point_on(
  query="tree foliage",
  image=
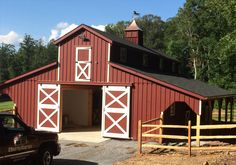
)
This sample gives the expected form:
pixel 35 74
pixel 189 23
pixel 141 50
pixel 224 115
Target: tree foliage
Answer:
pixel 201 36
pixel 30 55
pixel 151 25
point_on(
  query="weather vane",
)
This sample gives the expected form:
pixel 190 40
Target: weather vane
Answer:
pixel 135 14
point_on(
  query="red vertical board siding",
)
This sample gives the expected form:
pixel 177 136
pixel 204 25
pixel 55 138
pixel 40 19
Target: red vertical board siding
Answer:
pixel 24 94
pixel 149 99
pixel 98 57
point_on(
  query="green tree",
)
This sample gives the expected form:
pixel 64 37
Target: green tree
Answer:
pixel 152 26
pixel 7 53
pixel 26 53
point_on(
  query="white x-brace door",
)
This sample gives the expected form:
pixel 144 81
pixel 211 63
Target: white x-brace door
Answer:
pixel 48 114
pixel 83 64
pixel 116 111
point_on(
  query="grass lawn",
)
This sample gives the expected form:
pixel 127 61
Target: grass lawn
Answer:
pixel 6 105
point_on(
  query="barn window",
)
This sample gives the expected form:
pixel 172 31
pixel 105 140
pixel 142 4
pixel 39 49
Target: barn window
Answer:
pixel 173 67
pixel 123 55
pixel 161 64
pixel 172 110
pixel 145 60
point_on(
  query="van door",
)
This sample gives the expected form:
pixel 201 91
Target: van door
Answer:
pixel 2 143
pixel 17 145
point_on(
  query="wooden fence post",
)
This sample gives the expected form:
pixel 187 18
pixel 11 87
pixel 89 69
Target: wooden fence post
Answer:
pixel 140 136
pixel 198 130
pixel 189 137
pixel 161 129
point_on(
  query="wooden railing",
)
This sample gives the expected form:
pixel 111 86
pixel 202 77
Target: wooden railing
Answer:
pixel 149 133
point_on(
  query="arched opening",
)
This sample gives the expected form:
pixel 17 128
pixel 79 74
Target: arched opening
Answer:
pixel 178 113
pixel 6 103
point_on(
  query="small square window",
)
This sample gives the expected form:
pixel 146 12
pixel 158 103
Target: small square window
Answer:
pixel 173 67
pixel 123 55
pixel 145 60
pixel 172 110
pixel 161 64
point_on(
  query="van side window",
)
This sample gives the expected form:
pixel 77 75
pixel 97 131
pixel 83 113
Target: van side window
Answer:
pixel 10 124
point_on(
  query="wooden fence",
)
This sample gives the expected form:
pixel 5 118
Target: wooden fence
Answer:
pixel 153 128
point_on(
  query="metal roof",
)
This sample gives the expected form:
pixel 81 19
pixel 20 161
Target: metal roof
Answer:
pixel 30 73
pixel 133 26
pixel 191 85
pixel 113 38
pixel 131 44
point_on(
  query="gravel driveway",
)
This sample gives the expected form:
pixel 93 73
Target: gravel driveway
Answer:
pixel 104 153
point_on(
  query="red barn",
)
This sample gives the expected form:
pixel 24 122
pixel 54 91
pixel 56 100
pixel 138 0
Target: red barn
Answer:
pixel 101 79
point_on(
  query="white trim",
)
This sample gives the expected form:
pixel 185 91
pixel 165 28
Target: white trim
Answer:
pixel 58 60
pixel 108 72
pixel 109 52
pixel 108 60
pixel 87 66
pixel 55 107
pixel 125 111
pixel 17 154
pixel 200 107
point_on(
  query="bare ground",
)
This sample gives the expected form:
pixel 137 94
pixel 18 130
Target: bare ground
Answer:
pixel 203 158
pixel 172 157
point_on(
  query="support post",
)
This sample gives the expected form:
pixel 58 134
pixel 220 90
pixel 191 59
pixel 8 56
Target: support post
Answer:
pixel 226 110
pixel 189 137
pixel 198 123
pixel 140 136
pixel 220 107
pixel 211 104
pixel 231 109
pixel 161 129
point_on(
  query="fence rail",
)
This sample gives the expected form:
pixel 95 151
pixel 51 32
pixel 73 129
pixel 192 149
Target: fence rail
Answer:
pixel 159 127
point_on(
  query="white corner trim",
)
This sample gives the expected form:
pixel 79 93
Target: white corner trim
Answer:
pixel 58 60
pixel 108 72
pixel 200 107
pixel 109 52
pixel 108 60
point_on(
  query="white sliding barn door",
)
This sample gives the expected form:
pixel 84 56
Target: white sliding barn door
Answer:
pixel 116 111
pixel 48 113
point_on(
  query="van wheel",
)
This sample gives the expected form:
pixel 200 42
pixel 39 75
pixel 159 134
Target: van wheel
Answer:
pixel 45 157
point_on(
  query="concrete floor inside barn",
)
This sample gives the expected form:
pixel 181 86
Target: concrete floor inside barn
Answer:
pixel 83 134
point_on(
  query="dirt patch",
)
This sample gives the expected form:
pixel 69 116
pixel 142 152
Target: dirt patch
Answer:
pixel 174 158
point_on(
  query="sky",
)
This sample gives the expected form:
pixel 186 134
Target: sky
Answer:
pixel 50 19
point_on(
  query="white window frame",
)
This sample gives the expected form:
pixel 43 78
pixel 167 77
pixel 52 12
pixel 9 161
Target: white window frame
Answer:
pixel 87 66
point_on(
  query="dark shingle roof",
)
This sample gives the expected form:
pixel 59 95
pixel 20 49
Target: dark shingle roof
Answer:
pixel 191 85
pixel 130 44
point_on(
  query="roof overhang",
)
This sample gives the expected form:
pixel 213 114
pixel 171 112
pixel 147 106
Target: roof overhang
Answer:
pixel 190 93
pixel 82 26
pixel 28 74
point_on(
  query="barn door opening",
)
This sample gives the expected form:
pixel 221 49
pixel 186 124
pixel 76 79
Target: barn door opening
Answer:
pixel 48 114
pixel 116 111
pixel 178 113
pixel 83 64
pixel 81 107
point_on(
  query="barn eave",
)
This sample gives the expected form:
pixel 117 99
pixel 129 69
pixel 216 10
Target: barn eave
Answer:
pixel 28 74
pixel 214 92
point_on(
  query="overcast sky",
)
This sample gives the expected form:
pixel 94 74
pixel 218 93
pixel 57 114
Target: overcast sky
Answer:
pixel 49 19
